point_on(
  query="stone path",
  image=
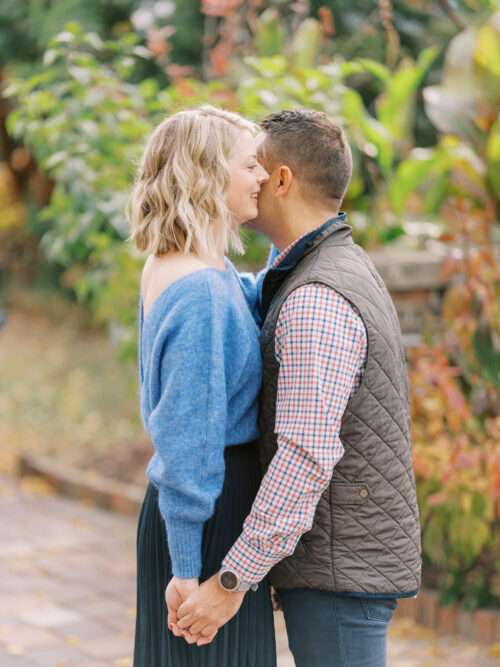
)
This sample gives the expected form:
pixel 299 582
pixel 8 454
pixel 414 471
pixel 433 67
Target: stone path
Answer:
pixel 67 590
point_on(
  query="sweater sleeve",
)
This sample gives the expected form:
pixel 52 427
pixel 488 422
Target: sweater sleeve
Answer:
pixel 188 424
pixel 251 286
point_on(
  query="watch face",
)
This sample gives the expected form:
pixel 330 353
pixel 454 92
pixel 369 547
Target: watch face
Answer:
pixel 229 580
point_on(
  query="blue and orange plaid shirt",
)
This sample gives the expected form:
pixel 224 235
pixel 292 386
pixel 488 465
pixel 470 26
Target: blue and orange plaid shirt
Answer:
pixel 321 347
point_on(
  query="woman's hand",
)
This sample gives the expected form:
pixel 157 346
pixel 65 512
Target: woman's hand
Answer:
pixel 208 609
pixel 177 591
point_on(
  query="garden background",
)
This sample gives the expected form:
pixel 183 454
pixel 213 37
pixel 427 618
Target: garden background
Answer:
pixel 416 85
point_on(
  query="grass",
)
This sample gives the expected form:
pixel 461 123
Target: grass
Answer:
pixel 63 391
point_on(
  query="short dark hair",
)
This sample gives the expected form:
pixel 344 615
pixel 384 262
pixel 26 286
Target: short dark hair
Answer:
pixel 313 146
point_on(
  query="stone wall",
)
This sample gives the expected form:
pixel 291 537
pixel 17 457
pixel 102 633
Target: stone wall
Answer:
pixel 413 279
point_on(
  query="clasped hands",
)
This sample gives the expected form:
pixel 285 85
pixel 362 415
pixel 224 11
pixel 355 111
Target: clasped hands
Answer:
pixel 197 611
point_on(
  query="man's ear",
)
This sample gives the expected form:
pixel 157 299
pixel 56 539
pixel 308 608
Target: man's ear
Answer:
pixel 284 180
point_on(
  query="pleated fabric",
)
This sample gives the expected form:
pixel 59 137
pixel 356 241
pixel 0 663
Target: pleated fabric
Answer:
pixel 245 641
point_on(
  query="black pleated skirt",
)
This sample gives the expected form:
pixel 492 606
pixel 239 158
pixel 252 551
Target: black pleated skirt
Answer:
pixel 247 640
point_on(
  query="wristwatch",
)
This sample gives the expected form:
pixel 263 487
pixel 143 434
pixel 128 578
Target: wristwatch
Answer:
pixel 231 582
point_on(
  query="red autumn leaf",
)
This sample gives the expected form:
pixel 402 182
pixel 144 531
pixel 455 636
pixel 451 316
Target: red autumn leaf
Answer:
pixel 219 7
pixel 327 21
pixel 176 72
pixel 219 57
pixel 436 499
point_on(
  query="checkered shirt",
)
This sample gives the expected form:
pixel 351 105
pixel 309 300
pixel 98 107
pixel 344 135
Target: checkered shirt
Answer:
pixel 321 347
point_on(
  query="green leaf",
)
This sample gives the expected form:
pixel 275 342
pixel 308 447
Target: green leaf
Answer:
pixel 269 35
pixel 376 69
pixel 55 159
pixel 81 74
pixel 433 542
pixel 488 355
pixel 487 51
pixel 367 131
pixel 94 40
pixel 306 43
pixel 493 159
pixel 267 67
pixel 409 176
pixel 390 234
pixel 468 535
pixel 396 106
pixel 49 57
pixel 479 505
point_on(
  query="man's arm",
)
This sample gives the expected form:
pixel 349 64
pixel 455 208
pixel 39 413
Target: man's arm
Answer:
pixel 321 349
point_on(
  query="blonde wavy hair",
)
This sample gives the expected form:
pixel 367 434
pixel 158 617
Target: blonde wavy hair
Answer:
pixel 178 201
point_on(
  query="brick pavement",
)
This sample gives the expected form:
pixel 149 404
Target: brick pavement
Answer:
pixel 67 591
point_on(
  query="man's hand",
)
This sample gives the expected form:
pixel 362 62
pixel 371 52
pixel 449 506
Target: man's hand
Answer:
pixel 208 608
pixel 176 592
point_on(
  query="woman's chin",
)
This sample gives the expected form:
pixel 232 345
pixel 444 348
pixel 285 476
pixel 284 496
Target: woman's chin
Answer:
pixel 248 217
pixel 253 213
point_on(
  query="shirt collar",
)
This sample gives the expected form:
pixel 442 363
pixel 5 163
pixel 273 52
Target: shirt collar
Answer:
pixel 289 257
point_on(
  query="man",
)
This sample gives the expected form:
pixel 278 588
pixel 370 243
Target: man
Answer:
pixel 335 521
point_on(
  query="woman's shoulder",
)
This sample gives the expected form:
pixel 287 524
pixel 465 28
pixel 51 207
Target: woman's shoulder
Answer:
pixel 160 276
pixel 183 287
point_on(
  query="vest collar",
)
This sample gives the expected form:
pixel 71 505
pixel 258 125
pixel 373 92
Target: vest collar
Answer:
pixel 275 277
pixel 308 242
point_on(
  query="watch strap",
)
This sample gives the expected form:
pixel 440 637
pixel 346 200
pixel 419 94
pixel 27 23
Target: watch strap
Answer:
pixel 241 585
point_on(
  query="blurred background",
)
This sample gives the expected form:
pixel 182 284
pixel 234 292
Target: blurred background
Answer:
pixel 416 85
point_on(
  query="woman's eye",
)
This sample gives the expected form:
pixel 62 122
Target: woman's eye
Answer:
pixel 252 167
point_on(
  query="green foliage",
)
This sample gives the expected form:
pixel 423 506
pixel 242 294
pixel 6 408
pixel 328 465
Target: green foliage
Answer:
pixel 379 142
pixel 396 106
pixel 84 118
pixel 487 355
pixel 85 123
pixel 457 465
pixel 424 165
pixel 27 27
pixel 458 179
pixel 85 114
pixel 269 34
pixel 493 159
pixel 360 32
pixel 187 41
pixel 456 411
pixel 464 108
pixel 306 44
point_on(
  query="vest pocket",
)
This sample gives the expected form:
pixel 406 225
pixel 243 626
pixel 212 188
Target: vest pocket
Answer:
pixel 349 493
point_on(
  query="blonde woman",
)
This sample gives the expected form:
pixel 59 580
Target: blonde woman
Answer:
pixel 200 372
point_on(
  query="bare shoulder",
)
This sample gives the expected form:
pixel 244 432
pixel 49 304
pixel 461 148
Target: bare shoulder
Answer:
pixel 160 272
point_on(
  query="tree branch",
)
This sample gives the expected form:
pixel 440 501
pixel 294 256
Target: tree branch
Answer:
pixel 451 14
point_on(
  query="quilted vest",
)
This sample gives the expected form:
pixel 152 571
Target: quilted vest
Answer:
pixel 365 538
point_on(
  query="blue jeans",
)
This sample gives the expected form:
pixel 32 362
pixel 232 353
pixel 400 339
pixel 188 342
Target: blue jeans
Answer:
pixel 327 630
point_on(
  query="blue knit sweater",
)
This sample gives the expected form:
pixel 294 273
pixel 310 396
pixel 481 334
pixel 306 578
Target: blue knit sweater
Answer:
pixel 200 373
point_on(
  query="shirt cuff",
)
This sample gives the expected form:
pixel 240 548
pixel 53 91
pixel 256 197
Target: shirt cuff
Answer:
pixel 248 563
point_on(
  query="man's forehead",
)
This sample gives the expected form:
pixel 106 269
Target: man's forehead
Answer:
pixel 263 154
pixel 259 140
